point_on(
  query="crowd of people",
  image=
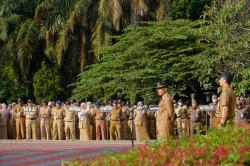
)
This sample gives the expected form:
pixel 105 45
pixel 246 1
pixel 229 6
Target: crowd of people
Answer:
pixel 87 121
pixel 120 121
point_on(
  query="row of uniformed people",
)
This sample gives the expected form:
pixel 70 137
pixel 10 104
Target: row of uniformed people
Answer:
pixel 57 122
pixel 54 121
pixel 195 118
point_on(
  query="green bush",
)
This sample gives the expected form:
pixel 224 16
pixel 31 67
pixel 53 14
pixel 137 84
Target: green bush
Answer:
pixel 223 146
pixel 47 83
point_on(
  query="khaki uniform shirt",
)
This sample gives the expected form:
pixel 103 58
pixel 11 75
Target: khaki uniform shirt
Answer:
pixel 116 114
pixel 19 111
pixel 31 115
pixel 58 113
pixel 45 114
pixel 165 117
pixel 69 115
pixel 227 98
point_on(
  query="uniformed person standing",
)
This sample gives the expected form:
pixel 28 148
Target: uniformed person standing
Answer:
pixel 141 130
pixel 241 113
pixel 45 116
pixel 124 120
pixel 165 117
pixel 100 122
pixel 4 119
pixel 31 114
pixel 182 115
pixel 227 99
pixel 115 122
pixel 214 107
pixel 12 122
pixel 58 113
pixel 84 123
pixel 195 117
pixel 20 120
pixel 69 120
pixel 151 124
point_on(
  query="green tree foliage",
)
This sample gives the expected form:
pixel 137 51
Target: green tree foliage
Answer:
pixel 191 9
pixel 144 55
pixel 10 90
pixel 47 83
pixel 66 33
pixel 228 31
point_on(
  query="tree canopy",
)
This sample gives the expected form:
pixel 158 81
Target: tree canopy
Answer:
pixel 72 35
pixel 143 55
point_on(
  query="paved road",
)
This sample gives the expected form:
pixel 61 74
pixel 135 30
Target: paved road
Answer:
pixel 41 153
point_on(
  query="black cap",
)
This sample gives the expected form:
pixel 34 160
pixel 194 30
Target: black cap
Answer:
pixel 161 85
pixel 227 76
pixel 58 102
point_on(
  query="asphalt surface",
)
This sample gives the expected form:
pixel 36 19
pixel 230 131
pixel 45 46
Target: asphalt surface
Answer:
pixel 41 153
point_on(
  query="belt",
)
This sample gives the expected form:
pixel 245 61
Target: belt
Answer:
pixel 32 118
pixel 100 119
pixel 58 118
pixel 115 120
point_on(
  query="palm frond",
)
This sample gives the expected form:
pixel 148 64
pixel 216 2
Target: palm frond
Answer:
pixel 104 9
pixel 139 7
pixel 116 13
pixel 163 9
pixel 26 44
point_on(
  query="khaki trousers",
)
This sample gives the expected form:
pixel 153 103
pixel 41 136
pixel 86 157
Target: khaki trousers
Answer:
pixel 115 130
pixel 45 131
pixel 69 130
pixel 57 129
pixel 31 128
pixel 20 128
pixel 100 125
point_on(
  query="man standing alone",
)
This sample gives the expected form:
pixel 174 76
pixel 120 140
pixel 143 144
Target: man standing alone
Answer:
pixel 165 117
pixel 227 99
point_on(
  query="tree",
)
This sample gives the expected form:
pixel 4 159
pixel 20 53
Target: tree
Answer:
pixel 191 9
pixel 228 31
pixel 10 90
pixel 144 55
pixel 47 83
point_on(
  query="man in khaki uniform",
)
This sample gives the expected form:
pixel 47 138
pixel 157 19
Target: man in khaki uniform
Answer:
pixel 195 117
pixel 45 116
pixel 69 120
pixel 31 114
pixel 115 122
pixel 20 120
pixel 51 105
pixel 151 124
pixel 165 117
pixel 227 99
pixel 58 113
pixel 3 122
pixel 124 121
pixel 182 113
pixel 100 123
